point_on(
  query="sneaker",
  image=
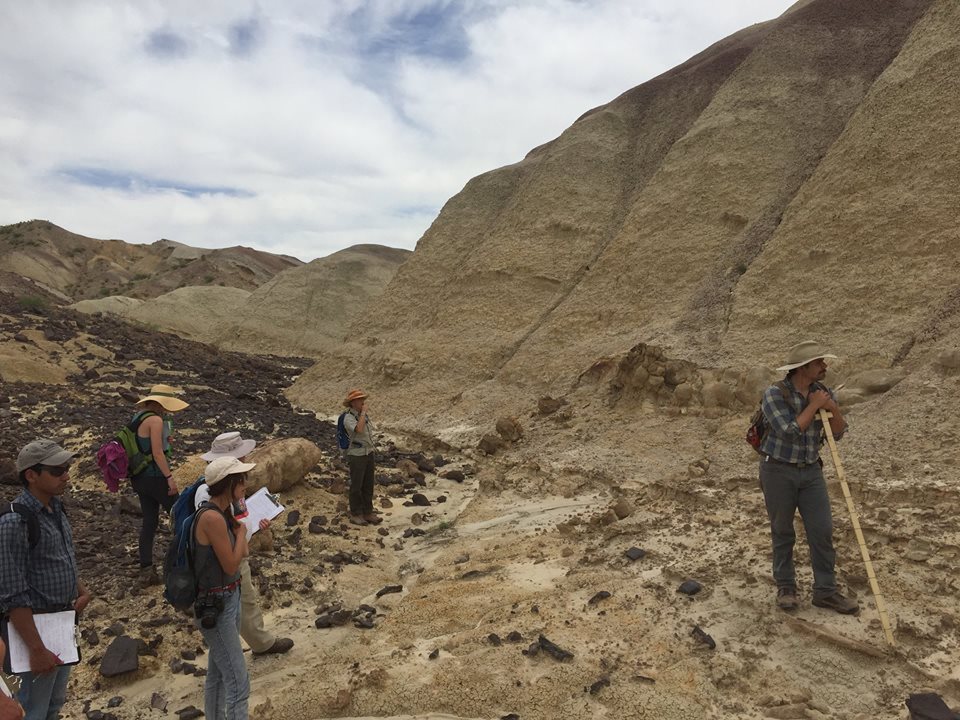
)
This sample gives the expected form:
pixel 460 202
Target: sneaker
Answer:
pixel 787 598
pixel 373 518
pixel 837 601
pixel 148 577
pixel 279 647
pixel 357 520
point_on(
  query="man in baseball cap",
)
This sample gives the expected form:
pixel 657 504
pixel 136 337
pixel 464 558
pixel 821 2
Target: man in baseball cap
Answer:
pixel 791 475
pixel 38 569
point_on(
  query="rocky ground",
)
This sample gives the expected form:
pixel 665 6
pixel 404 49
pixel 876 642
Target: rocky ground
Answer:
pixel 559 569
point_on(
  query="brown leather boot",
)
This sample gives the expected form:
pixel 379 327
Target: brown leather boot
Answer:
pixel 787 598
pixel 838 602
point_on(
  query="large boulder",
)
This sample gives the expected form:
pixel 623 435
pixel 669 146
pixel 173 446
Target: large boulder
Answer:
pixel 281 463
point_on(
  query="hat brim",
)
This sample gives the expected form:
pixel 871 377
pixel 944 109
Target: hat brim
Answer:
pixel 170 404
pixel 346 403
pixel 235 470
pixel 244 448
pixel 786 368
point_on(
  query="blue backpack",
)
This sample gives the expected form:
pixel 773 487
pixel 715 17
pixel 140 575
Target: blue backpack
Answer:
pixel 343 439
pixel 179 581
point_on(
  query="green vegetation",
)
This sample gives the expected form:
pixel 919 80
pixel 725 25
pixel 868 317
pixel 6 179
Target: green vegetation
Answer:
pixel 32 303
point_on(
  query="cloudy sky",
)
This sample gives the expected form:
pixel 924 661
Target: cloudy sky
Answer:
pixel 305 126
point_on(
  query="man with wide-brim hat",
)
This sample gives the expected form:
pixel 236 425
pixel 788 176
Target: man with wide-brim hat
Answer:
pixel 791 475
pixel 154 483
pixel 360 457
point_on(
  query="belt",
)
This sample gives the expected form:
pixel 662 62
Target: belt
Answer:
pixel 799 466
pixel 224 588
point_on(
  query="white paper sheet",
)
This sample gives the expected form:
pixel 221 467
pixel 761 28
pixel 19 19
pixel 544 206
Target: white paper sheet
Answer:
pixel 260 506
pixel 59 634
pixel 4 689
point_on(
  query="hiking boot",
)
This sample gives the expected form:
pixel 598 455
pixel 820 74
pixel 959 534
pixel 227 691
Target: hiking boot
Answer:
pixel 279 647
pixel 787 598
pixel 838 602
pixel 148 576
pixel 357 520
pixel 373 518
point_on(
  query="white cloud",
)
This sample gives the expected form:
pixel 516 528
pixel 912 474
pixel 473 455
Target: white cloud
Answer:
pixel 344 122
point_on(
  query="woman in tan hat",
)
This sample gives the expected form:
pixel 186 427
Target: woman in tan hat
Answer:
pixel 360 457
pixel 154 484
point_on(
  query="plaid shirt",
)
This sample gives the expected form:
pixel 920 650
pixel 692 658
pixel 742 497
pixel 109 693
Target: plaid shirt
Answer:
pixel 784 441
pixel 45 578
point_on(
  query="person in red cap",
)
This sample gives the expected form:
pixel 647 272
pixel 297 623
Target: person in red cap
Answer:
pixel 360 457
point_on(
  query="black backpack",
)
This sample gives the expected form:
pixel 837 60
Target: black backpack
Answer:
pixel 29 517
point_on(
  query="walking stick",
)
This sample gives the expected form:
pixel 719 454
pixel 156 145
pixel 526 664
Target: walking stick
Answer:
pixel 855 521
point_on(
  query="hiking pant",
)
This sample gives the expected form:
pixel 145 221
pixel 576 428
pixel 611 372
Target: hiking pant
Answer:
pixel 226 691
pixel 251 619
pixel 152 491
pixel 361 483
pixel 42 696
pixel 786 489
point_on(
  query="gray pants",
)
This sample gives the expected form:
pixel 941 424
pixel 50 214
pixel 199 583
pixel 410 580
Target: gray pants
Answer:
pixel 786 489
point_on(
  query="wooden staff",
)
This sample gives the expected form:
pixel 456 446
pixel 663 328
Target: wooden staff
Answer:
pixel 855 521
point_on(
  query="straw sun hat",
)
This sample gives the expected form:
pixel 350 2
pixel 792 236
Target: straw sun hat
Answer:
pixel 801 354
pixel 166 396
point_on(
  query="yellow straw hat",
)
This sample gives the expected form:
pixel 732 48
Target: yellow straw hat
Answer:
pixel 166 396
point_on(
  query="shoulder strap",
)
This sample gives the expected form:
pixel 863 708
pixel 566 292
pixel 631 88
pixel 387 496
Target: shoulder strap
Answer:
pixel 139 418
pixel 29 517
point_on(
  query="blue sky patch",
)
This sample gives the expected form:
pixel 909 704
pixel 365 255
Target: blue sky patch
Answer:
pixel 133 182
pixel 166 44
pixel 434 31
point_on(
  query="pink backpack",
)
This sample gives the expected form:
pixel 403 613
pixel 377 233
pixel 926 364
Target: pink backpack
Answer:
pixel 113 464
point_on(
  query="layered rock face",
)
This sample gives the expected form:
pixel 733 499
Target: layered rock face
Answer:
pixel 790 181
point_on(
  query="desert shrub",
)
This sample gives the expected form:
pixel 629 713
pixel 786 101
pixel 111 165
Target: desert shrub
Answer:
pixel 32 303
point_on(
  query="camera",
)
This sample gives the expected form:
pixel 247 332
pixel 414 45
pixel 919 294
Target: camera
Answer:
pixel 207 609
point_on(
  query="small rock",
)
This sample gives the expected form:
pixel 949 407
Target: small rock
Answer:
pixel 494 640
pixel 700 636
pixel 490 444
pixel 115 701
pixel 689 587
pixel 389 589
pixel 420 500
pixel 455 475
pixel 120 657
pixel 189 713
pixel 293 517
pixel 928 706
pixel 597 686
pixel 434 655
pixel 623 509
pixel 548 405
pixel 602 595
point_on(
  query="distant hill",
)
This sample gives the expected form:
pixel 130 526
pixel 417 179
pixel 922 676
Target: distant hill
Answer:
pixel 81 268
pixel 304 310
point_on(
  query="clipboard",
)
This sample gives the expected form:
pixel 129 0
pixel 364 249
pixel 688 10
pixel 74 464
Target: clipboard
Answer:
pixel 262 505
pixel 58 630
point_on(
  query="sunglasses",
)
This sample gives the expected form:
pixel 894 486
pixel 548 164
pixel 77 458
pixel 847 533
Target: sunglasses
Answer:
pixel 54 470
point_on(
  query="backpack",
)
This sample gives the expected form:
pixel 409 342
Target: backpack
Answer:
pixel 343 439
pixel 29 517
pixel 759 427
pixel 179 581
pixel 120 457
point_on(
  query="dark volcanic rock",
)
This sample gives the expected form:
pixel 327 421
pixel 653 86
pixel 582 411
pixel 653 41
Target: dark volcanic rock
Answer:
pixel 420 500
pixel 689 587
pixel 293 517
pixel 635 553
pixel 389 589
pixel 121 657
pixel 700 636
pixel 455 475
pixel 602 595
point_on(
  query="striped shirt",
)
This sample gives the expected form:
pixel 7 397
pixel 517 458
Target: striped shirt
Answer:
pixel 784 441
pixel 45 578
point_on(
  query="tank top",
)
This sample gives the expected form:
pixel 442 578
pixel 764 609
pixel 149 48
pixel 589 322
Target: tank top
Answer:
pixel 207 568
pixel 146 447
